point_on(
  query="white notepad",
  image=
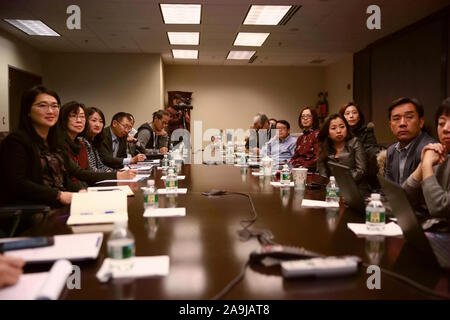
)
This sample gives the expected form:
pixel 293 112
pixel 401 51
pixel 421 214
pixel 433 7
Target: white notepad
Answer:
pixel 319 204
pixel 141 267
pixel 126 189
pixel 179 191
pixel 41 285
pixel 279 184
pixel 178 177
pixel 391 229
pixel 73 247
pixel 139 177
pixel 164 212
pixel 98 207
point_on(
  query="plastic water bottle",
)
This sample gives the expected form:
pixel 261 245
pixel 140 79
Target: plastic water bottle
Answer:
pixel 375 213
pixel 171 181
pixel 242 160
pixel 121 246
pixel 173 166
pixel 230 152
pixel 150 195
pixel 332 193
pixel 285 177
pixel 165 162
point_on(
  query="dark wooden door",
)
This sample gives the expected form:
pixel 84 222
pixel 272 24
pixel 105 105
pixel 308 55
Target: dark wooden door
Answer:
pixel 19 82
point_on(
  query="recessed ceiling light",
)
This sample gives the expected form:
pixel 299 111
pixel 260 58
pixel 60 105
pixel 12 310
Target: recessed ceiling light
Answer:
pixel 266 15
pixel 185 54
pixel 33 27
pixel 181 13
pixel 184 38
pixel 240 55
pixel 250 39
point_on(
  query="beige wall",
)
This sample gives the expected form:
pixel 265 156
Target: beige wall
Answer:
pixel 111 82
pixel 227 97
pixel 337 76
pixel 21 56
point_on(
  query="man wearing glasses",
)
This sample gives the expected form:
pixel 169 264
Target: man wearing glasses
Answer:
pixel 113 150
pixel 406 119
pixel 152 136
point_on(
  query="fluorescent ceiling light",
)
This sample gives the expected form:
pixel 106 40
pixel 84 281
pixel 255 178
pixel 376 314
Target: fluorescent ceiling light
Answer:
pixel 184 38
pixel 185 54
pixel 266 15
pixel 33 27
pixel 250 39
pixel 181 13
pixel 240 55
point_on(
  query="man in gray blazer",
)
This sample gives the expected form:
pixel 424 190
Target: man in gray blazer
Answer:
pixel 406 119
pixel 113 150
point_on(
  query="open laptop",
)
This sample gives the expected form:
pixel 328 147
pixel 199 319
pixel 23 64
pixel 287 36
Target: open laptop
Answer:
pixel 347 186
pixel 431 244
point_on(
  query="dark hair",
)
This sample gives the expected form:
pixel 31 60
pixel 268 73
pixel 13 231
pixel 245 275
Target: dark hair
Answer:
pixel 131 118
pixel 159 114
pixel 326 144
pixel 99 137
pixel 25 122
pixel 66 110
pixel 315 118
pixel 362 119
pixel 272 119
pixel 120 115
pixel 443 109
pixel 403 100
pixel 288 126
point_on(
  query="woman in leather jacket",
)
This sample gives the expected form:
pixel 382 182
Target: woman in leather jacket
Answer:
pixel 339 145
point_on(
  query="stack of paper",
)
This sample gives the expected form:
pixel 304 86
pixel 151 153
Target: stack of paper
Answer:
pixel 179 191
pixel 279 184
pixel 390 230
pixel 125 188
pixel 178 177
pixel 319 204
pixel 139 177
pixel 164 212
pixel 73 247
pixel 98 207
pixel 39 286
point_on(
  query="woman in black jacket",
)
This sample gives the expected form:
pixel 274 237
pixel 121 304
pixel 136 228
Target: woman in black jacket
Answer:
pixel 35 167
pixel 337 144
pixel 365 134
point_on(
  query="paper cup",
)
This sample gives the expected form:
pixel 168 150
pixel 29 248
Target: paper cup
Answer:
pixel 299 176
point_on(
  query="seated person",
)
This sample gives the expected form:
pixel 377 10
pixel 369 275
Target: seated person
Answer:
pixel 38 168
pixel 259 133
pixel 406 122
pixel 176 119
pixel 92 137
pixel 131 139
pixel 307 146
pixel 365 134
pixel 152 136
pixel 337 144
pixel 10 270
pixel 113 149
pixel 430 182
pixel 281 147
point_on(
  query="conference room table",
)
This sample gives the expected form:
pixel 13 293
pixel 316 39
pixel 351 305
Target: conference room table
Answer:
pixel 206 252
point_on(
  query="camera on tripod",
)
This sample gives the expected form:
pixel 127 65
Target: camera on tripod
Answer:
pixel 184 104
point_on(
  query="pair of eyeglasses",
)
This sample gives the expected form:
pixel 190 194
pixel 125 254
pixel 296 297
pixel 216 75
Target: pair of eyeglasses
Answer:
pixel 77 116
pixel 44 105
pixel 125 127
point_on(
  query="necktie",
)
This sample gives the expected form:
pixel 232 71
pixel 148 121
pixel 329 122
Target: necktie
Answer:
pixel 115 147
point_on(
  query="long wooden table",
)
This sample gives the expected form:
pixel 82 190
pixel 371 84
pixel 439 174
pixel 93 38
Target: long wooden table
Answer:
pixel 206 253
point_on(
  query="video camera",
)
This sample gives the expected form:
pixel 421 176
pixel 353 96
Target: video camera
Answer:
pixel 184 104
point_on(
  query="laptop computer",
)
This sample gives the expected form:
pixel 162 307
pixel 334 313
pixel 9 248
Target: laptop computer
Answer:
pixel 347 186
pixel 430 244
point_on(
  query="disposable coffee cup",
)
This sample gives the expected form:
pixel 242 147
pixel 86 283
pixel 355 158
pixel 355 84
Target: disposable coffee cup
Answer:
pixel 299 176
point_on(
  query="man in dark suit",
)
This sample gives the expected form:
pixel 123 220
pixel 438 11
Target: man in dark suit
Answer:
pixel 113 150
pixel 406 121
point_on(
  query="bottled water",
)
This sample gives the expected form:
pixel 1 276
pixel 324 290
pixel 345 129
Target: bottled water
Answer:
pixel 242 160
pixel 230 152
pixel 173 166
pixel 375 213
pixel 121 247
pixel 165 162
pixel 285 177
pixel 171 181
pixel 150 195
pixel 332 193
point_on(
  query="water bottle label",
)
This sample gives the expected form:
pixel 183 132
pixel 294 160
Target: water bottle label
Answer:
pixel 171 184
pixel 122 252
pixel 375 217
pixel 285 176
pixel 332 193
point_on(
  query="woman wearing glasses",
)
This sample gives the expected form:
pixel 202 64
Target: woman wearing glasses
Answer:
pixel 307 146
pixel 430 183
pixel 36 169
